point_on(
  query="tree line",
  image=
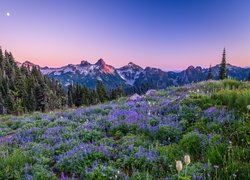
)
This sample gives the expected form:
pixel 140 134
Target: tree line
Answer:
pixel 80 95
pixel 24 90
pixel 223 70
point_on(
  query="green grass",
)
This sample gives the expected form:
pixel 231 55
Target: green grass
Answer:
pixel 210 122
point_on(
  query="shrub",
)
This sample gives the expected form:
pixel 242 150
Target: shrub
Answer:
pixel 12 163
pixel 194 144
pixel 168 134
pixel 233 99
pixel 231 84
pixel 216 153
pixel 199 100
pixel 190 113
pixel 40 172
pixel 103 173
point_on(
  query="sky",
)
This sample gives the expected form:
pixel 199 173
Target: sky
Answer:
pixel 167 34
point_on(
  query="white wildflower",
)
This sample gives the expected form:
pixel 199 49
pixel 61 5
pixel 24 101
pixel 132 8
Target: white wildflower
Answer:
pixel 149 103
pixel 216 166
pixel 178 165
pixel 187 159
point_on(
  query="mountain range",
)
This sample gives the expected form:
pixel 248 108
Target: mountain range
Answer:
pixel 131 76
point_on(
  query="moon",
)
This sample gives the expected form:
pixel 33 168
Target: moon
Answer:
pixel 7 14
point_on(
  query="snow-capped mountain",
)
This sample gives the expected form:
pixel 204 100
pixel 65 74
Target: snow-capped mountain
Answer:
pixel 130 73
pixel 131 77
pixel 84 68
pixel 85 74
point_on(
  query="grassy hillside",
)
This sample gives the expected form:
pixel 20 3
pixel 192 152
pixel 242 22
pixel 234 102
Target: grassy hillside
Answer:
pixel 140 139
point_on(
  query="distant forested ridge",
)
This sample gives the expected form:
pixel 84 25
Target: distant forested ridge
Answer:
pixel 24 90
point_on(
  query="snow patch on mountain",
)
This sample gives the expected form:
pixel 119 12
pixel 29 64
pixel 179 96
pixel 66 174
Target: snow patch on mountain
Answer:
pixel 127 81
pixel 85 68
pixel 57 73
pixel 130 73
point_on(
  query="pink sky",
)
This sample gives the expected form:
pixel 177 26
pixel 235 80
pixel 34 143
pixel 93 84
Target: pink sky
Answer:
pixel 169 35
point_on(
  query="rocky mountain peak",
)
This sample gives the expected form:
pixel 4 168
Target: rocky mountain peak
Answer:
pixel 190 68
pixel 84 62
pixel 131 66
pixel 100 62
pixel 131 74
pixel 29 65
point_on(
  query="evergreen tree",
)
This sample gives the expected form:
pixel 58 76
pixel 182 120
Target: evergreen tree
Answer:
pixel 70 95
pixel 78 96
pixel 248 76
pixel 1 57
pixel 101 92
pixel 22 90
pixel 41 97
pixel 85 96
pixel 222 74
pixel 113 94
pixel 209 76
pixel 93 97
pixel 31 103
pixel 116 93
pixel 61 93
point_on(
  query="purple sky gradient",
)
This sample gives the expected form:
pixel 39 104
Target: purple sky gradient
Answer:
pixel 170 34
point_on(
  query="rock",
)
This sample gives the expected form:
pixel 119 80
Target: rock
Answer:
pixel 134 97
pixel 150 92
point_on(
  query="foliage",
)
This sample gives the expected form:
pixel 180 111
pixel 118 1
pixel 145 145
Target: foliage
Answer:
pixel 23 89
pixel 237 100
pixel 140 139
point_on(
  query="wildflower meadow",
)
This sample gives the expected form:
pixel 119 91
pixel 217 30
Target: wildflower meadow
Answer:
pixel 197 131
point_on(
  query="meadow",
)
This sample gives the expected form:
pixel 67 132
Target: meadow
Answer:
pixel 143 138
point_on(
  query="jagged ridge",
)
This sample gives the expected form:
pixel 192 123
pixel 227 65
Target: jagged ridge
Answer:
pixel 132 75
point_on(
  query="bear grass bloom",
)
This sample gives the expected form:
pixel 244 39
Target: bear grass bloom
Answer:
pixel 187 162
pixel 178 167
pixel 187 159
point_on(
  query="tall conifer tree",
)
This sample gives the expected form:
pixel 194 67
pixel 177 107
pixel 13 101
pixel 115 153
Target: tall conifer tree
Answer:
pixel 222 74
pixel 101 92
pixel 209 76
